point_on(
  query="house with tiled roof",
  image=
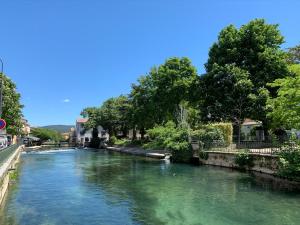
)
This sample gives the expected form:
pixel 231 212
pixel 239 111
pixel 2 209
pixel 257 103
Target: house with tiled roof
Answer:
pixel 83 135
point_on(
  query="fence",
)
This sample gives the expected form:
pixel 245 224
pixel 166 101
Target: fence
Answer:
pixel 267 147
pixel 7 152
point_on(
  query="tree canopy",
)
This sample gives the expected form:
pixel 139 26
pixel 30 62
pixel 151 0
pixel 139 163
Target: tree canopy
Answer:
pixel 12 108
pixel 227 93
pixel 112 115
pixel 157 96
pixel 254 49
pixel 245 68
pixel 46 134
pixel 285 108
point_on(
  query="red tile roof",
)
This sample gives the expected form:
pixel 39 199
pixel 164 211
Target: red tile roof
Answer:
pixel 82 120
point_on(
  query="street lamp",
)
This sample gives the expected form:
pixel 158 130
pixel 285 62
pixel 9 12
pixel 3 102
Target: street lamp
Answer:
pixel 1 87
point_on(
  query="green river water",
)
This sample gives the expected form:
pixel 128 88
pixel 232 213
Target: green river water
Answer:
pixel 80 187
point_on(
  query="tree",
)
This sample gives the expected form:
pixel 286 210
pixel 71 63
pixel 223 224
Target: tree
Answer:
pixel 227 94
pixel 12 108
pixel 254 48
pixel 113 115
pixel 46 134
pixel 157 96
pixel 285 108
pixel 294 55
pixel 144 114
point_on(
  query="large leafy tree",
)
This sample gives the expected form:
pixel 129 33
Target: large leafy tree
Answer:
pixel 12 108
pixel 227 94
pixel 113 115
pixel 285 108
pixel 254 48
pixel 144 108
pixel 157 96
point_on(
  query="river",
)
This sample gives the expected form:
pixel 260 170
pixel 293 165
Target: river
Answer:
pixel 79 187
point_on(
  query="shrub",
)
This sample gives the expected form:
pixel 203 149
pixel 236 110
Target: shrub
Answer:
pixel 95 142
pixel 184 156
pixel 169 137
pixel 112 140
pixel 244 160
pixel 208 136
pixel 226 129
pixel 203 155
pixel 122 142
pixel 289 162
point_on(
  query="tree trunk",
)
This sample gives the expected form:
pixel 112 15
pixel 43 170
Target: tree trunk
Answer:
pixel 142 132
pixel 134 133
pixel 239 132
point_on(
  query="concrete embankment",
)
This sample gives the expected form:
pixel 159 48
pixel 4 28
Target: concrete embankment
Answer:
pixel 265 167
pixel 156 154
pixel 6 167
pixel 262 163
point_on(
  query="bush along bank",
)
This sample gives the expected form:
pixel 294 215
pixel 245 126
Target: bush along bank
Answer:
pixel 177 139
pixel 172 138
pixel 289 162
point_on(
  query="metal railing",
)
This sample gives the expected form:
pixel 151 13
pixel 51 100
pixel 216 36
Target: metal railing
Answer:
pixel 266 148
pixel 5 153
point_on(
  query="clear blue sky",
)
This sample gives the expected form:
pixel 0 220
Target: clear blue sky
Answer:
pixel 65 55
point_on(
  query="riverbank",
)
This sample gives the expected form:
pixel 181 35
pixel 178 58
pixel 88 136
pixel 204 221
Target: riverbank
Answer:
pixel 156 154
pixel 264 166
pixel 9 164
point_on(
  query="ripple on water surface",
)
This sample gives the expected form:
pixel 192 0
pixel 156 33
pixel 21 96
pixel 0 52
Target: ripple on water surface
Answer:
pixel 83 187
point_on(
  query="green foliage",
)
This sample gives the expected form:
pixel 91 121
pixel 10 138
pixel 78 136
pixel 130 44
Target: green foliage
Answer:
pixel 285 108
pixel 227 91
pixel 182 156
pixel 209 135
pixel 289 162
pixel 95 141
pixel 113 115
pixel 46 134
pixel 255 50
pixel 294 55
pixel 169 137
pixel 157 95
pixel 244 159
pixel 123 142
pixel 112 140
pixel 226 129
pixel 12 108
pixel 203 155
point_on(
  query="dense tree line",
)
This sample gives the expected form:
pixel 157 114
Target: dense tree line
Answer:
pixel 46 134
pixel 246 75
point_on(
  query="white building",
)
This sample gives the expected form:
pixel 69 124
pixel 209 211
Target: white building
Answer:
pixel 83 135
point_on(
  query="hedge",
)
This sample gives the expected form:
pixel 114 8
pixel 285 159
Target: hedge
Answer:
pixel 226 129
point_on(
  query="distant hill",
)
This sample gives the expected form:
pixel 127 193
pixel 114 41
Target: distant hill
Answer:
pixel 59 128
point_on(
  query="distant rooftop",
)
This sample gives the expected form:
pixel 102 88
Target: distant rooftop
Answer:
pixel 81 120
pixel 248 122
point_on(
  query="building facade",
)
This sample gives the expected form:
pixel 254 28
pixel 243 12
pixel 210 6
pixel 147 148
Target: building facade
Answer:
pixel 83 135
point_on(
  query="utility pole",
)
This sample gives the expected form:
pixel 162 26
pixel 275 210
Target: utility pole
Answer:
pixel 1 87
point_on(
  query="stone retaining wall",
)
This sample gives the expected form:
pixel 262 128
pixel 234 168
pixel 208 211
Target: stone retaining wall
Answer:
pixel 5 169
pixel 262 163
